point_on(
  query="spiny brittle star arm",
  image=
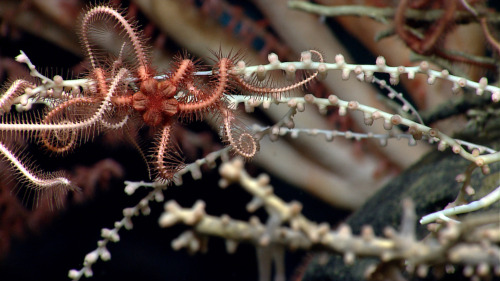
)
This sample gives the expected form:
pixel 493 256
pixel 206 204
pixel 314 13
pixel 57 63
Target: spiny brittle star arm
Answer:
pixel 86 123
pixel 15 90
pixel 243 142
pixel 37 180
pixel 207 101
pixel 97 13
pixel 277 90
pixel 167 158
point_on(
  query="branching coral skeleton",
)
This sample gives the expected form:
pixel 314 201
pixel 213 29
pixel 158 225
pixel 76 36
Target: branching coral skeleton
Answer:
pixel 448 244
pixel 129 89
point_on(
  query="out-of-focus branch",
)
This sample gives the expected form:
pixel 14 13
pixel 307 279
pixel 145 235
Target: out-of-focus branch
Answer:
pixel 384 14
pixel 454 243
